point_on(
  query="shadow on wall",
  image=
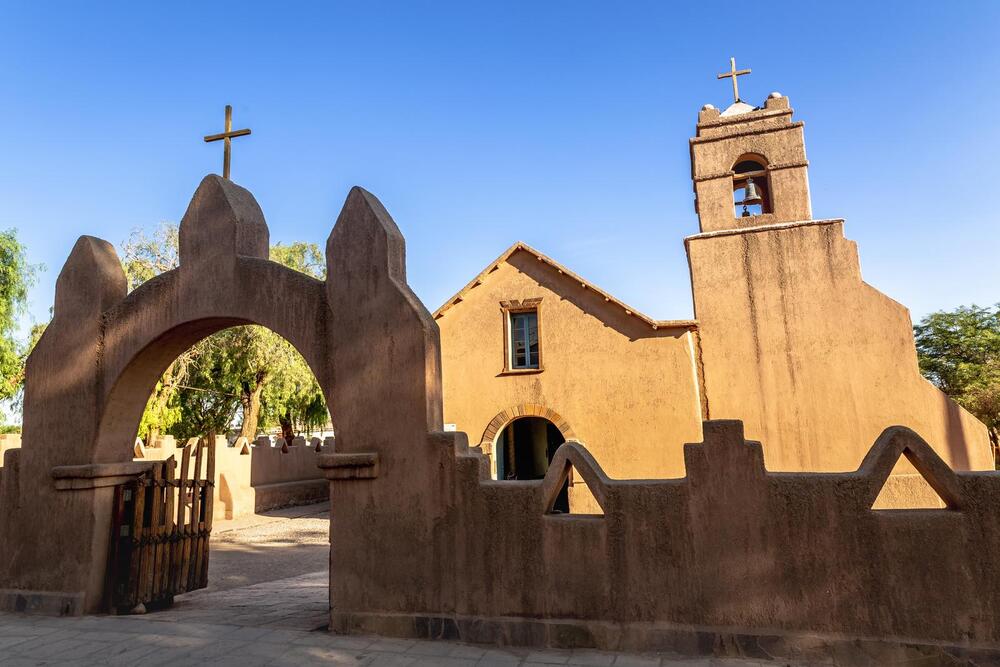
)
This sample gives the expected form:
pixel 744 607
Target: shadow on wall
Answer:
pixel 955 429
pixel 589 301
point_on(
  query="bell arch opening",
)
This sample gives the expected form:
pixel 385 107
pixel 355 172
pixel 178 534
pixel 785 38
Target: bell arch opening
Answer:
pixel 751 186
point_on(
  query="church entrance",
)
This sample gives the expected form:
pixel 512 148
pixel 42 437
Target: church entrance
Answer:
pixel 524 449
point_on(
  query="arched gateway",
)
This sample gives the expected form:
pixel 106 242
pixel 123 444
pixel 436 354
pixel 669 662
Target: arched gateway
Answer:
pixel 369 341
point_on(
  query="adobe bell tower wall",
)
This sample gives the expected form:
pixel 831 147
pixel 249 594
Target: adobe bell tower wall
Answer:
pixel 767 135
pixel 794 342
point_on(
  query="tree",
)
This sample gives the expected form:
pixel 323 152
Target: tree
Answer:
pixel 144 257
pixel 959 352
pixel 275 383
pixel 16 276
pixel 247 372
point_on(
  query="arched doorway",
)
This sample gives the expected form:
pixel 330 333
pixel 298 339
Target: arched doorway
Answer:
pixel 524 449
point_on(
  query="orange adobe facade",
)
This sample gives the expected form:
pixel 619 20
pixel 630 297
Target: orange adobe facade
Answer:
pixel 787 335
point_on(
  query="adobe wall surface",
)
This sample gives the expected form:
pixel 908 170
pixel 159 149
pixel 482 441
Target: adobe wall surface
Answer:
pixel 256 479
pixel 815 361
pixel 768 134
pixel 613 379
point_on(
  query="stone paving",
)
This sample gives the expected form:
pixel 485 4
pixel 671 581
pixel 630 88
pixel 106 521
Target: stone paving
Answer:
pixel 279 622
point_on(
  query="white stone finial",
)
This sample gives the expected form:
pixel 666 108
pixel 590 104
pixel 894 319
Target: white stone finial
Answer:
pixel 774 96
pixel 707 107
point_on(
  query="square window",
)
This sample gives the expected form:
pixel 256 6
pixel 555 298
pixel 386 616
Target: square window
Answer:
pixel 523 343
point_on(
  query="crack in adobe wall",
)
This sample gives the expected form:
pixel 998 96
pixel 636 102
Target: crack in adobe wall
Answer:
pixel 700 369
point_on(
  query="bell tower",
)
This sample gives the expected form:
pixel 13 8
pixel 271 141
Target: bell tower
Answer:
pixel 749 164
pixel 816 362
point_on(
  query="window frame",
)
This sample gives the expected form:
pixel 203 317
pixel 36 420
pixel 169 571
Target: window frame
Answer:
pixel 508 309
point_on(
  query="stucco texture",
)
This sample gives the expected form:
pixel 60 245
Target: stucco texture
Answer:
pixel 815 361
pixel 627 391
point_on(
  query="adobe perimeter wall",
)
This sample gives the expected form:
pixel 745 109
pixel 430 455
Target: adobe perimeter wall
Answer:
pixel 8 441
pixel 254 478
pixel 730 560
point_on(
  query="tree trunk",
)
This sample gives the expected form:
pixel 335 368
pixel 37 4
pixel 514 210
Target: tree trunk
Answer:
pixel 995 441
pixel 251 413
pixel 287 432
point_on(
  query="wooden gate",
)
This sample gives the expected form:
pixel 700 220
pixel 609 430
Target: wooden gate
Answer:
pixel 160 530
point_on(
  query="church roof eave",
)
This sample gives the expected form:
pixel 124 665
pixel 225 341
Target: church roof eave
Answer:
pixel 570 275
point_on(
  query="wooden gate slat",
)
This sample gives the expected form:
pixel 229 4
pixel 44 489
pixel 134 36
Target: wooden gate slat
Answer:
pixel 119 548
pixel 150 531
pixel 206 528
pixel 181 528
pixel 194 571
pixel 160 530
pixel 168 527
pixel 135 534
pixel 191 526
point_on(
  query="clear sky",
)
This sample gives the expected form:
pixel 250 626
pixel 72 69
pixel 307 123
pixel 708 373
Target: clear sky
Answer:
pixel 561 124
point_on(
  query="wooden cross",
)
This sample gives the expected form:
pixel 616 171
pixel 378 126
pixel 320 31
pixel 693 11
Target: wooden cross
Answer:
pixel 733 73
pixel 227 137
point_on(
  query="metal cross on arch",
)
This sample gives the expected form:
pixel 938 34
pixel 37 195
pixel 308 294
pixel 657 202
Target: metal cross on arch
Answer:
pixel 227 137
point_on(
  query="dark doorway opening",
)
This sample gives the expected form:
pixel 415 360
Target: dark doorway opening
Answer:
pixel 525 448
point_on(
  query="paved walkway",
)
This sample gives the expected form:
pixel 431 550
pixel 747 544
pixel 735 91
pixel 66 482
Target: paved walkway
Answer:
pixel 155 639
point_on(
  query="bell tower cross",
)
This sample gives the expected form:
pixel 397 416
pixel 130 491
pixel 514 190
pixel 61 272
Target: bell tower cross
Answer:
pixel 732 74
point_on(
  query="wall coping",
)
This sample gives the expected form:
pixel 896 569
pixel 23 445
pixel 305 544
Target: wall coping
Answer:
pixel 763 228
pixel 342 465
pixel 96 475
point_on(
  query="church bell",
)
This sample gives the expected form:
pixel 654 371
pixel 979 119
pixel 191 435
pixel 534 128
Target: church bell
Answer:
pixel 752 197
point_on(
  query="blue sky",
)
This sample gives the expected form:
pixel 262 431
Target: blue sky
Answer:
pixel 562 124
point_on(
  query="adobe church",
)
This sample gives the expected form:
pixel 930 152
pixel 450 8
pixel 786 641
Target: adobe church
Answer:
pixel 787 337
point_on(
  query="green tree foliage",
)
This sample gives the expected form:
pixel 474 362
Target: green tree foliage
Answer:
pixel 145 256
pixel 247 374
pixel 16 276
pixel 959 352
pixel 304 257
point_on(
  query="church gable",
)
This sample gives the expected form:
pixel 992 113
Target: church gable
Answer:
pixel 569 286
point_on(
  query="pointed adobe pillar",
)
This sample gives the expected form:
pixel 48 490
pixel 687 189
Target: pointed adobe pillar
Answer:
pixel 49 565
pixel 391 479
pixel 223 221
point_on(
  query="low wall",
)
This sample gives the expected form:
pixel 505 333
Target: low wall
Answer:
pixel 729 560
pixel 255 478
pixel 8 441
